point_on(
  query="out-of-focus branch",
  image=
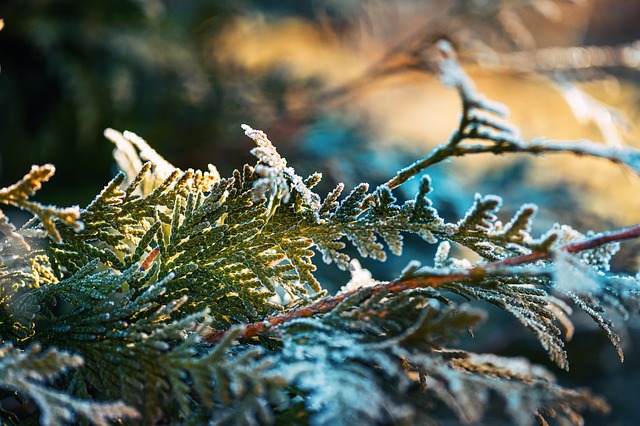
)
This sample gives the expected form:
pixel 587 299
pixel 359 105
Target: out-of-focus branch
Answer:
pixel 485 121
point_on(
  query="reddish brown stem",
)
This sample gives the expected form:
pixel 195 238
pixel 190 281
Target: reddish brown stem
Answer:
pixel 149 259
pixel 329 303
pixel 591 243
pixel 621 235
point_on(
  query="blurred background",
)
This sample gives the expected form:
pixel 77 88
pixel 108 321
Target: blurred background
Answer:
pixel 348 88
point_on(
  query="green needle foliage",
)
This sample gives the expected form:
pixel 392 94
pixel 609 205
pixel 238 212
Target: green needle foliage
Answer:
pixel 181 297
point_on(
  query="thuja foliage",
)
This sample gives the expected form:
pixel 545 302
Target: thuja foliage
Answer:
pixel 183 297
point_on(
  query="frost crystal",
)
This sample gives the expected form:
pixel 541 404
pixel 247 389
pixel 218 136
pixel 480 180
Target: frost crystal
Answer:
pixel 360 278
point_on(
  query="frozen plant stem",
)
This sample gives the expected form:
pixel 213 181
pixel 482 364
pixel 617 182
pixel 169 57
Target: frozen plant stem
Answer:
pixel 403 284
pixel 539 146
pixel 485 120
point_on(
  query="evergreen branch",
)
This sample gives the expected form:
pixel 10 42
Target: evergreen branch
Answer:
pixel 482 119
pixel 168 256
pixel 397 343
pixel 413 281
pixel 28 371
pixel 327 304
pixel 18 195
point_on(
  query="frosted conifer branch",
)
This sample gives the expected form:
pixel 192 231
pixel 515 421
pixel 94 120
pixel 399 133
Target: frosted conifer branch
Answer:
pixel 168 256
pixel 277 179
pixel 484 120
pixel 28 371
pixel 18 195
pixel 414 279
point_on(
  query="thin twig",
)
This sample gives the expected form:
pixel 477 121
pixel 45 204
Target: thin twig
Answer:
pixel 498 135
pixel 327 304
pixel 625 155
pixel 610 237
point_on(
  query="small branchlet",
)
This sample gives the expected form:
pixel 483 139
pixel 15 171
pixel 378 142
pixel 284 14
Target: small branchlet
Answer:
pixel 18 195
pixel 486 121
pixel 28 371
pixel 481 118
pixel 276 178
